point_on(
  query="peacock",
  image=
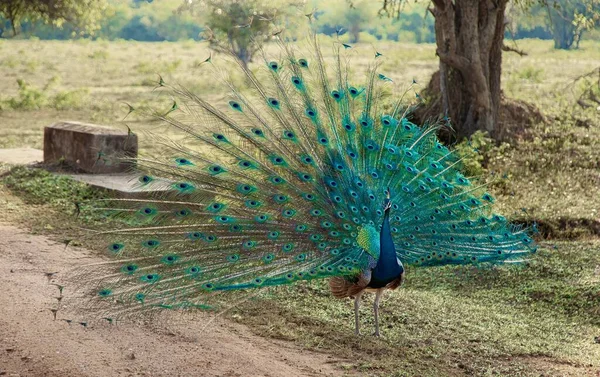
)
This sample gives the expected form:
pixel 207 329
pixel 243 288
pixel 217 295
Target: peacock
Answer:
pixel 297 173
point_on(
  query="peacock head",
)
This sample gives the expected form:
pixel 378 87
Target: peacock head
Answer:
pixel 387 203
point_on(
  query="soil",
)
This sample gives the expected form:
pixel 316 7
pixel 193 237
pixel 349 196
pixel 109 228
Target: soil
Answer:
pixel 32 343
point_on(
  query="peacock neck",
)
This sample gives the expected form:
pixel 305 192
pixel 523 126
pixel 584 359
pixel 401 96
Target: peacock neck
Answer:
pixel 388 250
pixel 387 269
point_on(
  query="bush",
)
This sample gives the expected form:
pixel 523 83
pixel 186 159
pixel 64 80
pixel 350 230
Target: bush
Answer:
pixel 70 99
pixel 473 153
pixel 29 97
pixel 33 98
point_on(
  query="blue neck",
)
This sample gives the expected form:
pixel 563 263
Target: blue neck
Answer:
pixel 387 253
pixel 387 268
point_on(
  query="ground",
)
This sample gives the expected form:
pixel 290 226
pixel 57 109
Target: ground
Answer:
pixel 33 344
pixel 539 319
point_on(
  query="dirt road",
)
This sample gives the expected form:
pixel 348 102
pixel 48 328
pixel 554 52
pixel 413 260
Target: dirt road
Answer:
pixel 33 344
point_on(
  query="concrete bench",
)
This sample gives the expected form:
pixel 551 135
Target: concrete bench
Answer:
pixel 125 185
pixel 89 148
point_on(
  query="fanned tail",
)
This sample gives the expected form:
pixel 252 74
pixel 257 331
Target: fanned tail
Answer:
pixel 276 185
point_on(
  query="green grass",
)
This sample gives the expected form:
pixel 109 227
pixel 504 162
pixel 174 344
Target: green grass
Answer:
pixel 532 74
pixel 531 320
pixel 454 320
pixel 37 186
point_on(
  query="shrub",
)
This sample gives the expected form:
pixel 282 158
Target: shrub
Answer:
pixel 33 98
pixel 473 152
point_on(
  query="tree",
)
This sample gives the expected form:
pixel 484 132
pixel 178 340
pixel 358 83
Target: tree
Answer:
pixel 84 15
pixel 353 19
pixel 568 19
pixel 469 38
pixel 470 41
pixel 358 22
pixel 237 26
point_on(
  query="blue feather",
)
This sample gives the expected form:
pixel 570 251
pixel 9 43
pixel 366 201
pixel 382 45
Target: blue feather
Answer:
pixel 280 186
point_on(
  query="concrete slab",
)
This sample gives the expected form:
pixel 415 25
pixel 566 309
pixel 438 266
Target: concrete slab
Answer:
pixel 124 185
pixel 89 148
pixel 121 184
pixel 21 156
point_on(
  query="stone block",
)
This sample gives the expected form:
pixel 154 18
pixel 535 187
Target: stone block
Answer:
pixel 89 148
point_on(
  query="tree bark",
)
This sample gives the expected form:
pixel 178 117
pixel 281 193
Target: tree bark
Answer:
pixel 469 38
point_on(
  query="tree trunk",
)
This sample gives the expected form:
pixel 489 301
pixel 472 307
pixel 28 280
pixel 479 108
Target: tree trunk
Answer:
pixel 469 38
pixel 564 34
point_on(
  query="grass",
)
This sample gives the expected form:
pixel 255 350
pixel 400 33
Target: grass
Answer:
pixel 454 320
pixel 532 74
pixel 447 321
pixel 38 187
pixel 537 319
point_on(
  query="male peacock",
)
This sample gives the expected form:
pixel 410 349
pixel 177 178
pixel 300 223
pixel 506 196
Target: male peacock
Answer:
pixel 295 176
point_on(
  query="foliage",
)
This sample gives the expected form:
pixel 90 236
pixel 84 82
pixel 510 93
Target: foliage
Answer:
pixel 166 20
pixel 473 152
pixel 238 26
pixel 131 19
pixel 351 19
pixel 568 19
pixel 152 21
pixel 38 186
pixel 31 98
pixel 589 85
pixel 84 15
pixel 412 25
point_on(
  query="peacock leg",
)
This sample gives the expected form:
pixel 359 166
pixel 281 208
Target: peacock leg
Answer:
pixel 376 310
pixel 356 307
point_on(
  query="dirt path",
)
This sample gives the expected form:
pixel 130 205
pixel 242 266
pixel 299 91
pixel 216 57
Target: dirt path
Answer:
pixel 32 344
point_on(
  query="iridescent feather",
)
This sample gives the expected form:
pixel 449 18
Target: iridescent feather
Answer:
pixel 284 181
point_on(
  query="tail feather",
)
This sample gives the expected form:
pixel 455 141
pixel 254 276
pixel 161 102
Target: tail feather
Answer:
pixel 273 186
